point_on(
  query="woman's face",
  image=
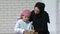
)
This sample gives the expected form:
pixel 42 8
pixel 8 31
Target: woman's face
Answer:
pixel 36 10
pixel 25 18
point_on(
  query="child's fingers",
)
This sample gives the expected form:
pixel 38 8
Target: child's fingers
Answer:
pixel 32 31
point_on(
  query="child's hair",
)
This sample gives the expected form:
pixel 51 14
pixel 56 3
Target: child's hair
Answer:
pixel 25 13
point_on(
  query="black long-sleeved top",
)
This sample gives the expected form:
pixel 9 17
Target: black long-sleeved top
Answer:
pixel 40 21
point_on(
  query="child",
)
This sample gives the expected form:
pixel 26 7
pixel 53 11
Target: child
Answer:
pixel 23 25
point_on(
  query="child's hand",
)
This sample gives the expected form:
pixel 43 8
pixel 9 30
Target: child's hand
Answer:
pixel 32 31
pixel 26 31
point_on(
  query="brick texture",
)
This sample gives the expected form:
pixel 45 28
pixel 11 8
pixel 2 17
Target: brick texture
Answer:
pixel 58 17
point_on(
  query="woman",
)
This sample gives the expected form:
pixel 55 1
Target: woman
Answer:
pixel 40 18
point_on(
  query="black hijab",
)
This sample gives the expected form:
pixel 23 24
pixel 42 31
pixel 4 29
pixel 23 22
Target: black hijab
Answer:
pixel 41 6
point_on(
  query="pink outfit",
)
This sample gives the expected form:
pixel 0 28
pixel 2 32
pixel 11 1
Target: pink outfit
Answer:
pixel 25 13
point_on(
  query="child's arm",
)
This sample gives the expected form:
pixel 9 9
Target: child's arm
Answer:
pixel 17 28
pixel 32 29
pixel 31 26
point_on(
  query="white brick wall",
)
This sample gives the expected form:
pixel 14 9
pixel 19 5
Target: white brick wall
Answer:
pixel 58 17
pixel 10 10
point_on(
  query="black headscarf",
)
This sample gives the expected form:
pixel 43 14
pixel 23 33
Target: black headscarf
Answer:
pixel 41 6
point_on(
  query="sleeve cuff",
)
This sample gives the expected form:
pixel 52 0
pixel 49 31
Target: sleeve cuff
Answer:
pixel 22 30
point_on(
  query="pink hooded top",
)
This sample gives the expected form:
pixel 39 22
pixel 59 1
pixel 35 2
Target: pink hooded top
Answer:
pixel 25 13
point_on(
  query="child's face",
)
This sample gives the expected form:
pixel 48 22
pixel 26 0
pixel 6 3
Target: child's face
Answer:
pixel 25 18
